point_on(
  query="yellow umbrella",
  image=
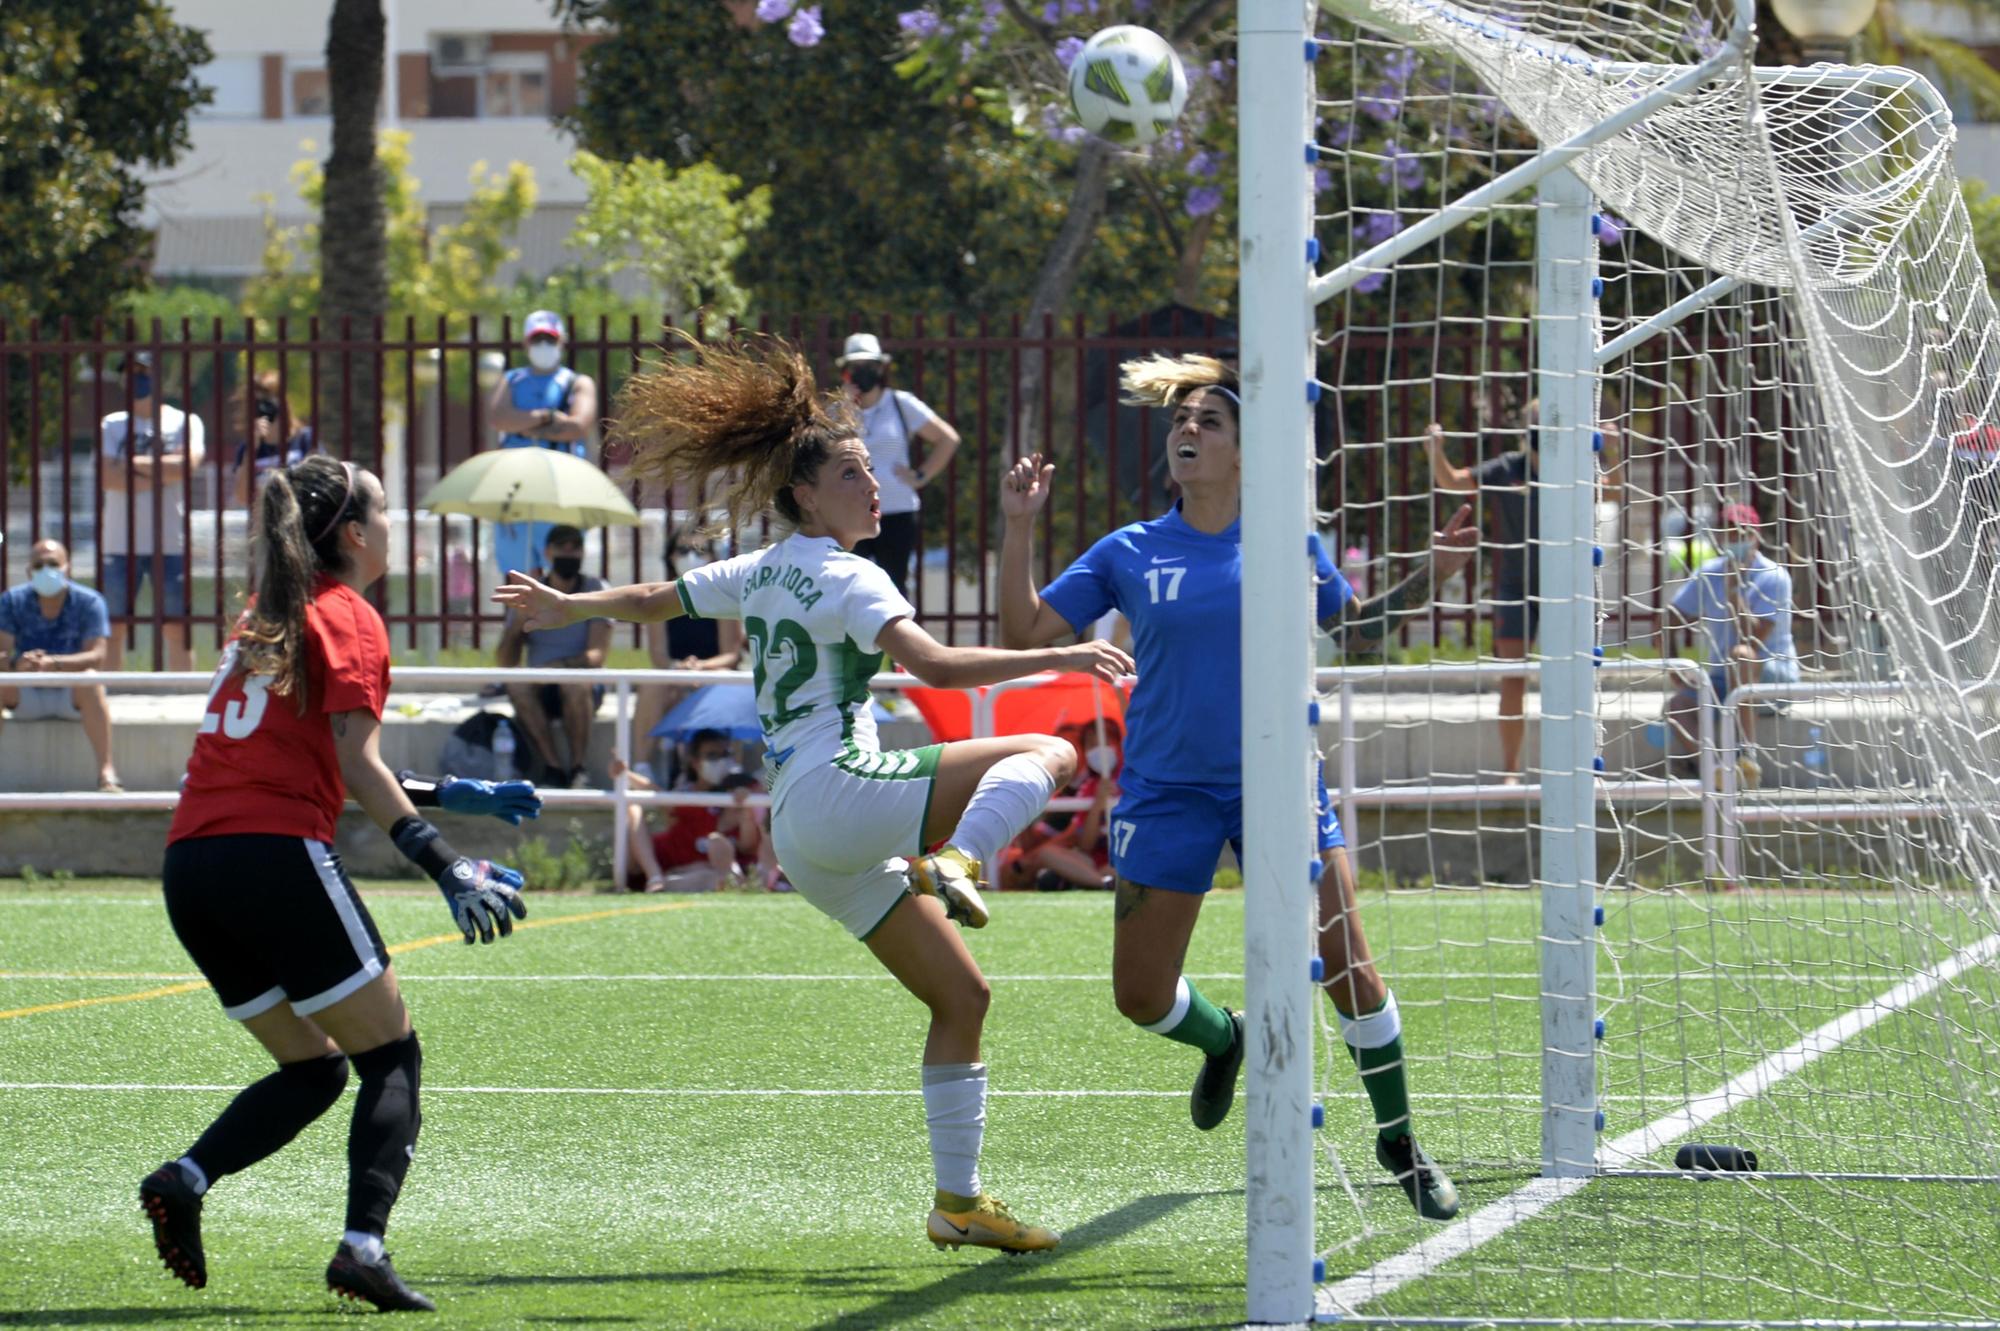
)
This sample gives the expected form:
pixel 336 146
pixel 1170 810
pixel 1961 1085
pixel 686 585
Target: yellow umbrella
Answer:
pixel 532 485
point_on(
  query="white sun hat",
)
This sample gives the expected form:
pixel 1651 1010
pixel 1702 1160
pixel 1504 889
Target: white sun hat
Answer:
pixel 862 346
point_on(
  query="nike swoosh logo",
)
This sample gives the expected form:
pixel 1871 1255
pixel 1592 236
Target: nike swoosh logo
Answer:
pixel 1170 559
pixel 961 1229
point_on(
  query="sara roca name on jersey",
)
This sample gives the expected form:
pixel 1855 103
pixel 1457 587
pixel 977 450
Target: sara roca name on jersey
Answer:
pixel 811 613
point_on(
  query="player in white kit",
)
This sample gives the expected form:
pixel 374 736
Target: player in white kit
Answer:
pixel 850 821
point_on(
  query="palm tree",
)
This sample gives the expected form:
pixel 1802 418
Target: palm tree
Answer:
pixel 354 249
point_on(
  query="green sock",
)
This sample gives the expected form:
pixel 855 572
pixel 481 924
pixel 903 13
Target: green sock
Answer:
pixel 1388 1090
pixel 1382 1066
pixel 1196 1021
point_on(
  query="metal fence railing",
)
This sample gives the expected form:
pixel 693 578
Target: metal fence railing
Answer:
pixel 411 401
pixel 1343 783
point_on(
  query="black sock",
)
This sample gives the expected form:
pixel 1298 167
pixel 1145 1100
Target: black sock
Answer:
pixel 269 1113
pixel 383 1136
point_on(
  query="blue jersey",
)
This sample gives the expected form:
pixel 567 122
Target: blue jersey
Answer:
pixel 529 391
pixel 1182 591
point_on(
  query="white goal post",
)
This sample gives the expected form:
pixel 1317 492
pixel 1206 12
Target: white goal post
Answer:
pixel 1797 282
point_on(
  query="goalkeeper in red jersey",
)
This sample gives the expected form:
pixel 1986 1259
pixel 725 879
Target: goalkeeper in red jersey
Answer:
pixel 262 903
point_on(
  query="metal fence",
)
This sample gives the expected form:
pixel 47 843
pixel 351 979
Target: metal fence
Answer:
pixel 410 402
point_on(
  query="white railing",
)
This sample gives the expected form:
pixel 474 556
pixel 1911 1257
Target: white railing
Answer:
pixel 1902 804
pixel 983 706
pixel 1722 816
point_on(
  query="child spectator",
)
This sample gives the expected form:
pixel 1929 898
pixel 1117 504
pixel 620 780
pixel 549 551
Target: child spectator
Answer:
pixel 701 848
pixel 1065 850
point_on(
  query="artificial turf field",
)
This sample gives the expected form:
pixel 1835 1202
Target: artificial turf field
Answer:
pixel 702 1112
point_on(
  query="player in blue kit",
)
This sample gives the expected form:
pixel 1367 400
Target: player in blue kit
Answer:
pixel 1179 580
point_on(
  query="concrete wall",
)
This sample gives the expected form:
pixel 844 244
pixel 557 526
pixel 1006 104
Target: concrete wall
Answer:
pixel 1405 739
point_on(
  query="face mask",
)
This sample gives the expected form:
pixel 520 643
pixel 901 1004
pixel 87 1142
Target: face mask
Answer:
pixel 713 770
pixel 544 356
pixel 566 566
pixel 142 386
pixel 47 580
pixel 1741 551
pixel 865 378
pixel 1101 759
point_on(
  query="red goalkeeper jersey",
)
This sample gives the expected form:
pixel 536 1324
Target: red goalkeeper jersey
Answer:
pixel 259 765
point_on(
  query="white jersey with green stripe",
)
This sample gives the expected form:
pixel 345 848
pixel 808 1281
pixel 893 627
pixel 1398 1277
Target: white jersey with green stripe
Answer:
pixel 811 615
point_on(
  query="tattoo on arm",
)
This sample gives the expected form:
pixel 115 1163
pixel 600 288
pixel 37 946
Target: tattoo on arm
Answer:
pixel 1362 625
pixel 340 724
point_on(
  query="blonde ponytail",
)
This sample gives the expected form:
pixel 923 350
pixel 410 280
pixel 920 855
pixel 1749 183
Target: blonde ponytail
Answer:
pixel 1163 381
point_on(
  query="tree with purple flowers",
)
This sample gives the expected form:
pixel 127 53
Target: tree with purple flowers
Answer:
pixel 947 126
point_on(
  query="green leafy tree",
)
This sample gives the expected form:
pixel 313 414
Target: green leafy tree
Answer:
pixel 1898 35
pixel 90 92
pixel 901 178
pixel 1983 205
pixel 684 231
pixel 449 270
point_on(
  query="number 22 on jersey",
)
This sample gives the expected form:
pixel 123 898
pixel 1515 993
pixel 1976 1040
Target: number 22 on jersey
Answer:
pixel 768 644
pixel 237 718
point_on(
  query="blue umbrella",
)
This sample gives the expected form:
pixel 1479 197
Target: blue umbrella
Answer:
pixel 730 709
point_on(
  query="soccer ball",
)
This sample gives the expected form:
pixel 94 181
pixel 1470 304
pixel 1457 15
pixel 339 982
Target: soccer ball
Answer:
pixel 1127 85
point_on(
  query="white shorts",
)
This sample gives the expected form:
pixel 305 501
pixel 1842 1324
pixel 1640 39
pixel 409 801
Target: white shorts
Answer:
pixel 845 829
pixel 47 705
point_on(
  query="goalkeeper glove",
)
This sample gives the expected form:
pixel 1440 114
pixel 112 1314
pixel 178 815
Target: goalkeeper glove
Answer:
pixel 509 801
pixel 482 895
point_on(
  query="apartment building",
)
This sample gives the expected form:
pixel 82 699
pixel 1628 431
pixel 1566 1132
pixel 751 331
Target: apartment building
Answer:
pixel 469 83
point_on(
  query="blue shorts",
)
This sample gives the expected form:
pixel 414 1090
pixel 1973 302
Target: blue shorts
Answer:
pixel 1171 837
pixel 125 574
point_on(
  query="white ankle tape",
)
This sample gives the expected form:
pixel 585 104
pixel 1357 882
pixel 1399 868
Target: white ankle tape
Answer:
pixel 1183 998
pixel 1375 1029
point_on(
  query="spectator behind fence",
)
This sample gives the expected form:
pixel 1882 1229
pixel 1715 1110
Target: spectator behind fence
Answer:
pixel 543 404
pixel 578 646
pixel 1065 850
pixel 892 424
pixel 1741 602
pixel 146 456
pixel 1510 495
pixel 275 439
pixel 683 643
pixel 50 623
pixel 700 848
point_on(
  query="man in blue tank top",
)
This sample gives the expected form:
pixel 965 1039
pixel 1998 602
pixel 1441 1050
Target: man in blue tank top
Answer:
pixel 543 404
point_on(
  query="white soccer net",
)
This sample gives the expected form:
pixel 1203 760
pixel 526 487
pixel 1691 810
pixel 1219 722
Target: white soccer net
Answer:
pixel 1799 935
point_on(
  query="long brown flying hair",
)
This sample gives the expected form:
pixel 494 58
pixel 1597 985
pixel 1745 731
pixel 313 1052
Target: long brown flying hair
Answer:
pixel 299 515
pixel 749 414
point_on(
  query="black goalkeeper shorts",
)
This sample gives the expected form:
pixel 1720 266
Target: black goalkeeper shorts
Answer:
pixel 270 920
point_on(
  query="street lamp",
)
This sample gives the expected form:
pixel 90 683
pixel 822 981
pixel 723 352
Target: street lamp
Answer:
pixel 1826 29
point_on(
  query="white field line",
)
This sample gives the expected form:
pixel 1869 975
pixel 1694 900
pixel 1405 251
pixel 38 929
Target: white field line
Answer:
pixel 1350 1295
pixel 706 1093
pixel 1747 975
pixel 1449 897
